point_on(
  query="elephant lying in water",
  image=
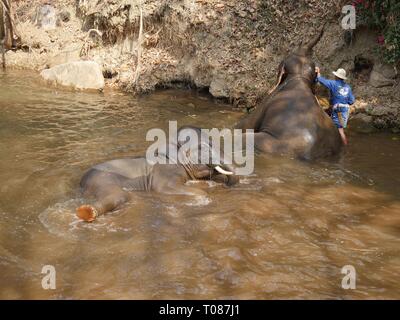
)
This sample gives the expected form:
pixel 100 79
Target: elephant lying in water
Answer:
pixel 290 120
pixel 111 184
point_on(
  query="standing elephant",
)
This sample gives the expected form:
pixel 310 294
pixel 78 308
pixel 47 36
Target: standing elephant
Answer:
pixel 290 120
pixel 109 185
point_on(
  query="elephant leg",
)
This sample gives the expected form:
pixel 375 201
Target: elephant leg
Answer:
pixel 299 146
pixel 268 144
pixel 106 201
pixel 110 202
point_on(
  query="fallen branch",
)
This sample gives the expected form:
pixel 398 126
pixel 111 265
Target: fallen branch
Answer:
pixel 3 34
pixel 9 25
pixel 5 6
pixel 3 54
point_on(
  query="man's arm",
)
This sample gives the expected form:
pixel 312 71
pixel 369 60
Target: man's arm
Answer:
pixel 327 83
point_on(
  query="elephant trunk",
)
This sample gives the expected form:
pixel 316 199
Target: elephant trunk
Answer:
pixel 229 172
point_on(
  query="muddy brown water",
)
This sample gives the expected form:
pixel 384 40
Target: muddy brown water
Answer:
pixel 284 232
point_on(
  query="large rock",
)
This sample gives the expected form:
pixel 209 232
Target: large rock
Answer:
pixel 64 57
pixel 46 17
pixel 380 110
pixel 388 71
pixel 363 123
pixel 79 75
pixel 219 88
pixel 382 76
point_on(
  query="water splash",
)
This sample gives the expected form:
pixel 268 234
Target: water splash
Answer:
pixel 61 220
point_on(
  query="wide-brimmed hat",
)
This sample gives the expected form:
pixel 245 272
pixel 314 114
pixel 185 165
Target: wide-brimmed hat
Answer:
pixel 340 73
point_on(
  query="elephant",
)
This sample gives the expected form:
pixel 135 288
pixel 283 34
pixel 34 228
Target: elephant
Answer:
pixel 290 120
pixel 110 184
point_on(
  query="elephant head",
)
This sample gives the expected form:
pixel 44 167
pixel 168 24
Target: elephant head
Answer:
pixel 196 154
pixel 299 63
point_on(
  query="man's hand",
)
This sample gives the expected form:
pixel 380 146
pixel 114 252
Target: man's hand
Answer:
pixel 318 71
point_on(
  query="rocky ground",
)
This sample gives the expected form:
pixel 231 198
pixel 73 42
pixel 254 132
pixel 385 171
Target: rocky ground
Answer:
pixel 229 47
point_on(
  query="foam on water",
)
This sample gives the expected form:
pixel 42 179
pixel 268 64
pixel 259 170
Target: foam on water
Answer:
pixel 209 183
pixel 198 201
pixel 61 220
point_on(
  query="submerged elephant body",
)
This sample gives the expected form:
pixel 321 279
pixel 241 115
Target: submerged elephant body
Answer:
pixel 110 184
pixel 134 174
pixel 290 120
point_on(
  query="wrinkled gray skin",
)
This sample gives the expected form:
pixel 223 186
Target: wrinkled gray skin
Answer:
pixel 111 184
pixel 290 120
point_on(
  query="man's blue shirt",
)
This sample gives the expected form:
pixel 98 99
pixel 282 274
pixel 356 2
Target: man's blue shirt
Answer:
pixel 340 91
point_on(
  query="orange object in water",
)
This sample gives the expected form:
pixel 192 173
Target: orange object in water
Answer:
pixel 87 213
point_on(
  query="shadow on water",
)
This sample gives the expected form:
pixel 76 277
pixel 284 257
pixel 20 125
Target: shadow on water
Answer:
pixel 284 232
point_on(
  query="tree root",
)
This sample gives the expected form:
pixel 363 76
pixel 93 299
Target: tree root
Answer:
pixel 140 48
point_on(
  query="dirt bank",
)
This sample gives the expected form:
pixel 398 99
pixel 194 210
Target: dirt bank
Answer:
pixel 230 48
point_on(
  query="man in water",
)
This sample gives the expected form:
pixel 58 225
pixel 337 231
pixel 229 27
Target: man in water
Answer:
pixel 341 99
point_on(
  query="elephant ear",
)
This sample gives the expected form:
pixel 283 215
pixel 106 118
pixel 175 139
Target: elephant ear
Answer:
pixel 174 152
pixel 188 145
pixel 280 79
pixel 169 153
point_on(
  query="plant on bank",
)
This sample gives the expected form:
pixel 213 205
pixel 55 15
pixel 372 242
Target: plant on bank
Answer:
pixel 384 16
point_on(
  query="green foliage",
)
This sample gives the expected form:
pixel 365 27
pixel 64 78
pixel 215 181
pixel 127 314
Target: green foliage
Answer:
pixel 383 15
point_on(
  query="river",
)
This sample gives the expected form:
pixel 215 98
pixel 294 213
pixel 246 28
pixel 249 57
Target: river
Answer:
pixel 284 232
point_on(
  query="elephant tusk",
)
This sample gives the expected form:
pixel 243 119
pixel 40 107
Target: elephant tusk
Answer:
pixel 222 171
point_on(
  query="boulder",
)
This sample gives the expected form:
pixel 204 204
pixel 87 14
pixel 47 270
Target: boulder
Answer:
pixel 362 123
pixel 79 75
pixel 382 76
pixel 46 17
pixel 379 110
pixel 346 64
pixel 218 88
pixel 388 71
pixel 64 57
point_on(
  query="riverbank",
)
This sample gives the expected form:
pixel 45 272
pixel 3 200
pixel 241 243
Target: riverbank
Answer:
pixel 230 49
